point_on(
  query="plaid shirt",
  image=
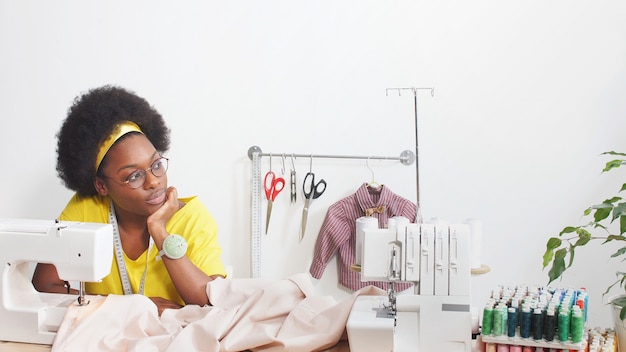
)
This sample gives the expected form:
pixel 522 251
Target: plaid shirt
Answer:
pixel 338 232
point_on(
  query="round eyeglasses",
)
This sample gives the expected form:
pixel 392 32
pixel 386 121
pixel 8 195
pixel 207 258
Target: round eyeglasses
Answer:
pixel 138 178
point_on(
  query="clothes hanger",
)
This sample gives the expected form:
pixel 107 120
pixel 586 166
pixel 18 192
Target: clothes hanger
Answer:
pixel 372 184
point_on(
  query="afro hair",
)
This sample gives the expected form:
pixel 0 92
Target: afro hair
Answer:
pixel 90 120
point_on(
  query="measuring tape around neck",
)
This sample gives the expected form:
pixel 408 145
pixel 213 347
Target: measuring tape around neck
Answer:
pixel 119 256
pixel 255 241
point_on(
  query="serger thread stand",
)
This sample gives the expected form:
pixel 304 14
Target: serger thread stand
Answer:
pixel 418 216
pixel 254 153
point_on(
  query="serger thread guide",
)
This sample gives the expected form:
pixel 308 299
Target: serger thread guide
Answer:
pixel 80 251
pixel 436 258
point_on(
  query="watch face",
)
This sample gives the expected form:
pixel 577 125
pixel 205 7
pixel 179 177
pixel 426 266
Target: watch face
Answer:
pixel 175 246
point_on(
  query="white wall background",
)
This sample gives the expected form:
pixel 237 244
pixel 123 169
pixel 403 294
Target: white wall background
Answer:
pixel 527 95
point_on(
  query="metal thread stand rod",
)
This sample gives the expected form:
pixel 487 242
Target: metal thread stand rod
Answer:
pixel 414 90
pixel 407 157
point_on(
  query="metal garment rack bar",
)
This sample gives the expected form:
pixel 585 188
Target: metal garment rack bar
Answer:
pixel 407 157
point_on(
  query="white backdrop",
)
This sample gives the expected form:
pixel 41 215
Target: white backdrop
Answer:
pixel 527 95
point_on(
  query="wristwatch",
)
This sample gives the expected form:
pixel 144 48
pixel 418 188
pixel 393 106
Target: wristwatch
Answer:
pixel 174 247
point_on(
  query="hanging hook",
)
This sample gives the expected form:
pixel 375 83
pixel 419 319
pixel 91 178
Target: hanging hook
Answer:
pixel 373 183
pixel 282 167
pixel 270 161
pixel 293 181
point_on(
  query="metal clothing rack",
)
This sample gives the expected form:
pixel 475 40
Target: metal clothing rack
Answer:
pixel 407 157
pixel 255 153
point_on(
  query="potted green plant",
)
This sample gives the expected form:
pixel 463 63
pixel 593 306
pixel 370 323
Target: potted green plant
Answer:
pixel 607 225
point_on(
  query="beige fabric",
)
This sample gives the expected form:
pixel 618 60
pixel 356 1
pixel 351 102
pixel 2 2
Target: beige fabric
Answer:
pixel 246 314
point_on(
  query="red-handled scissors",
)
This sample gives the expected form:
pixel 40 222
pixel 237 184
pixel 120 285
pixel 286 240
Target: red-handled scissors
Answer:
pixel 273 185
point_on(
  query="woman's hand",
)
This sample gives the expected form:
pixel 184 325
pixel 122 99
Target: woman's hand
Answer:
pixel 163 304
pixel 157 220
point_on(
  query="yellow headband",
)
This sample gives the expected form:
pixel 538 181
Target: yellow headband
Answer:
pixel 118 131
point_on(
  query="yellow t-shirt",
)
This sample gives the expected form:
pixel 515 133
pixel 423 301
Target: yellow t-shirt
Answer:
pixel 193 222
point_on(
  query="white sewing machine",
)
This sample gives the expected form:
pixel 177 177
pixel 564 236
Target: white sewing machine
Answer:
pixel 80 251
pixel 436 317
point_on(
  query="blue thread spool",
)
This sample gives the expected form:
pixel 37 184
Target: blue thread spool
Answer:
pixel 549 325
pixel 584 297
pixel 525 322
pixel 511 322
pixel 537 324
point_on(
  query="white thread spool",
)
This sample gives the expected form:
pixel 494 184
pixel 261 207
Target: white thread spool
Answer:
pixel 362 223
pixel 476 237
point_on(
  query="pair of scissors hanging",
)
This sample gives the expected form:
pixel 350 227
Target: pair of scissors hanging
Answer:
pixel 273 185
pixel 313 191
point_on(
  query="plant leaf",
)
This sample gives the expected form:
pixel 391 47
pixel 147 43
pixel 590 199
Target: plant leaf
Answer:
pixel 602 212
pixel 612 165
pixel 547 257
pixel 619 252
pixel 615 238
pixel 553 243
pixel 568 229
pixel 582 232
pixel 612 152
pixel 619 210
pixel 558 267
pixel 583 239
pixel 571 255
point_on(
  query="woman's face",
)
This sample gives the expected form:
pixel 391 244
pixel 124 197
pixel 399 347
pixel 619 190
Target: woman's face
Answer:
pixel 130 154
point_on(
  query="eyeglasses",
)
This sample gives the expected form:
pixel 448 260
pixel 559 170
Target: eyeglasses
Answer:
pixel 138 178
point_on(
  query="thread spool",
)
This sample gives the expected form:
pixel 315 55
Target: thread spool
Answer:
pixel 362 223
pixel 537 324
pixel 487 320
pixel 578 325
pixel 498 320
pixel 503 348
pixel 525 322
pixel 563 323
pixel 476 236
pixel 585 298
pixel 512 322
pixel 549 325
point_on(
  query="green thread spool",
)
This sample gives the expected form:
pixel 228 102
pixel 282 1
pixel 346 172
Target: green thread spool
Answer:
pixel 563 322
pixel 487 320
pixel 578 325
pixel 498 319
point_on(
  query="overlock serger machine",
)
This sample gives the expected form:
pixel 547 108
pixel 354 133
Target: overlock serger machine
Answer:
pixel 80 251
pixel 436 315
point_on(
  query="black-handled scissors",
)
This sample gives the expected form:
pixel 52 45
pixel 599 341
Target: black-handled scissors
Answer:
pixel 313 191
